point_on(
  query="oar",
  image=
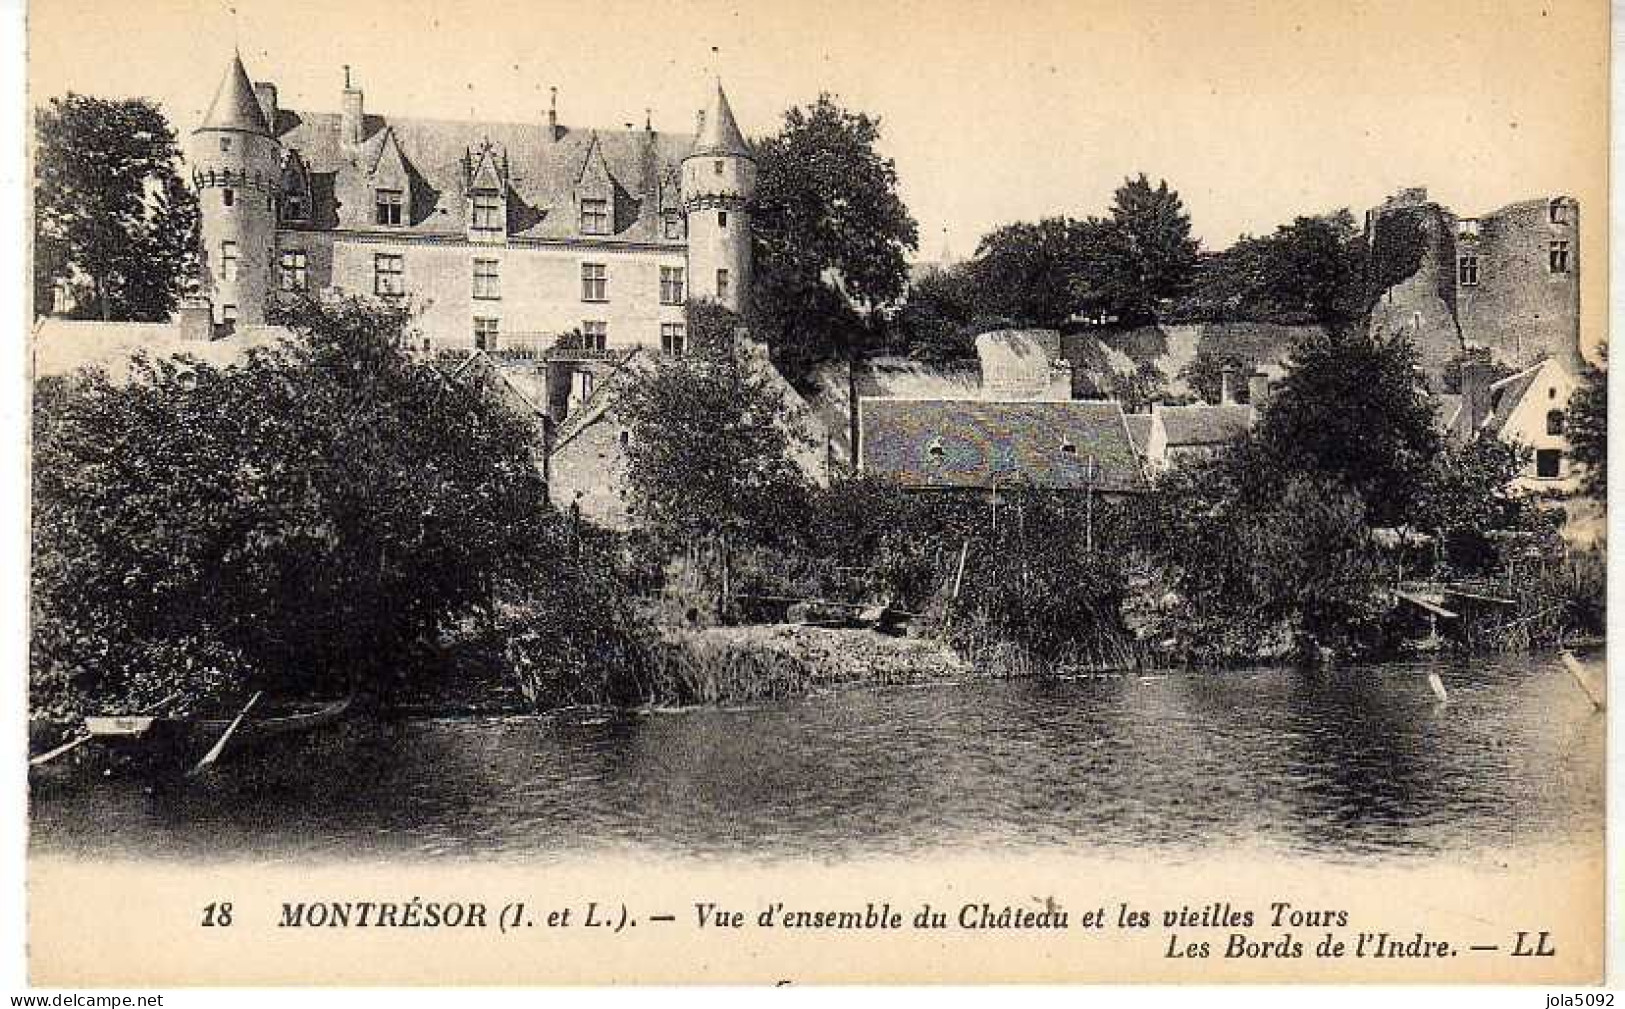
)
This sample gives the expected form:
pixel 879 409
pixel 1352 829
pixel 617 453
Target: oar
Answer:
pixel 67 747
pixel 1437 683
pixel 1575 670
pixel 220 745
pixel 74 744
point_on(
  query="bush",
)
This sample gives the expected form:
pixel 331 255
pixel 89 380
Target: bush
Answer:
pixel 297 522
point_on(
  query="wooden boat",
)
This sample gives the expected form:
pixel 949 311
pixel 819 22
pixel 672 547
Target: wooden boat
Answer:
pixel 184 738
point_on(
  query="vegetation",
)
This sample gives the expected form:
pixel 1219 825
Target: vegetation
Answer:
pixel 1588 427
pixel 364 505
pixel 831 232
pixel 1123 268
pixel 112 218
pixel 1309 271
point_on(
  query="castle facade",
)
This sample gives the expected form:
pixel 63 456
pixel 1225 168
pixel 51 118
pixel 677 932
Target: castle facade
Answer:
pixel 504 235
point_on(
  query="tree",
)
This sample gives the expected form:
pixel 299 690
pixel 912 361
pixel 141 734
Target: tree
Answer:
pixel 830 234
pixel 1353 406
pixel 709 451
pixel 298 521
pixel 937 321
pixel 1030 273
pixel 1140 257
pixel 111 215
pixel 1310 271
pixel 1588 426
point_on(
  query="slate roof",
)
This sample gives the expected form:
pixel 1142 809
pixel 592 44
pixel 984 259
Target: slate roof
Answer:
pixel 1505 396
pixel 543 175
pixel 1447 409
pixel 1139 430
pixel 1191 426
pixel 720 133
pixel 234 106
pixel 972 444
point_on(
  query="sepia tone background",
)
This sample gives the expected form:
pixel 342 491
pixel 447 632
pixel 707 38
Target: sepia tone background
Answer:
pixel 1255 112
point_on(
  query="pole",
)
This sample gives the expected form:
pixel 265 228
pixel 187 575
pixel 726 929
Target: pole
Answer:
pixel 1089 507
pixel 220 745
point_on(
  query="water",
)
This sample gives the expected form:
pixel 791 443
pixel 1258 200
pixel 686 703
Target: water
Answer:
pixel 1342 765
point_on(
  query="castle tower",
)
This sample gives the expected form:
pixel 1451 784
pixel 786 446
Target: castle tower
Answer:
pixel 719 182
pixel 236 169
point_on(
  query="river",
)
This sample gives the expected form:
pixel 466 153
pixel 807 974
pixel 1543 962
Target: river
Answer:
pixel 1343 765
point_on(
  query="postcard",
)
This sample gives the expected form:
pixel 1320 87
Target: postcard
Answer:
pixel 906 493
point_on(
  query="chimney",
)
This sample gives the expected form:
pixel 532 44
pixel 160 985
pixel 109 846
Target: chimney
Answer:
pixel 1258 390
pixel 1476 377
pixel 195 319
pixel 265 91
pixel 552 114
pixel 353 118
pixel 1227 386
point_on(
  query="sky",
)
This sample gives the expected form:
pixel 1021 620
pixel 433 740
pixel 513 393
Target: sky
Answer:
pixel 1255 112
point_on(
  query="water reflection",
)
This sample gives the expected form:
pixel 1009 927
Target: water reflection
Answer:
pixel 1342 764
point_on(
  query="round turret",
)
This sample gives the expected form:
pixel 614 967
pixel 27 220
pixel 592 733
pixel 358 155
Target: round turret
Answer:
pixel 719 183
pixel 236 169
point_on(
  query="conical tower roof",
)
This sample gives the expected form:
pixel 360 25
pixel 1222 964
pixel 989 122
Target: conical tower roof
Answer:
pixel 720 133
pixel 234 106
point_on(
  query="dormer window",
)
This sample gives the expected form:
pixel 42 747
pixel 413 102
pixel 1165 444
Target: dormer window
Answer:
pixel 594 217
pixel 672 226
pixel 1067 448
pixel 294 207
pixel 390 203
pixel 1557 212
pixel 488 214
pixel 935 451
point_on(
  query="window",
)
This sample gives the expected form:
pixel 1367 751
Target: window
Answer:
pixel 716 167
pixel 388 271
pixel 485 334
pixel 594 282
pixel 228 313
pixel 671 285
pixel 1467 270
pixel 1548 464
pixel 487 280
pixel 228 260
pixel 293 207
pixel 488 211
pixel 270 202
pixel 595 217
pixel 294 277
pixel 229 196
pixel 225 143
pixel 1558 256
pixel 390 202
pixel 594 335
pixel 673 337
pixel 722 218
pixel 672 226
pixel 1557 212
pixel 1467 228
pixel 1554 422
pixel 722 284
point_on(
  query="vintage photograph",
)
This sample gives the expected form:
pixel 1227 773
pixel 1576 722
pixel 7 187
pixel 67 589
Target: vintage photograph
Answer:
pixel 856 449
